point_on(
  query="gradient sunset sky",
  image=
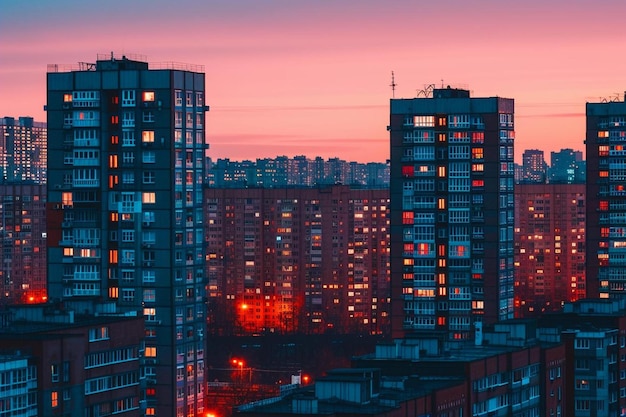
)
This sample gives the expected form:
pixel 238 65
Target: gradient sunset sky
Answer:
pixel 288 77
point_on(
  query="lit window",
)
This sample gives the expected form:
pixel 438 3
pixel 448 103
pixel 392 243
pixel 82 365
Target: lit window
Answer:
pixel 66 198
pixel 113 292
pixel 54 399
pixel 603 150
pixel 477 153
pixel 478 137
pixel 148 198
pixel 148 96
pixel 147 136
pixel 67 98
pixel 151 351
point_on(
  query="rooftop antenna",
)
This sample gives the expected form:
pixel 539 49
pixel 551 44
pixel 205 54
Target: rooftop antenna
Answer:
pixel 393 85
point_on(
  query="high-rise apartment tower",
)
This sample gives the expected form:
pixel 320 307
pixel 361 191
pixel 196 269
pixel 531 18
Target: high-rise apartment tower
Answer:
pixel 451 212
pixel 125 219
pixel 606 199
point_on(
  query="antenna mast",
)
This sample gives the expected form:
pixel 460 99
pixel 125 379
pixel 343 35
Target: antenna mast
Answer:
pixel 393 85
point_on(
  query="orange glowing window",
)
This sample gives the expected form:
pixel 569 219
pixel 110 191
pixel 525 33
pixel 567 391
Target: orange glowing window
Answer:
pixel 603 134
pixel 441 321
pixel 115 100
pixel 604 174
pixel 408 247
pixel 67 98
pixel 148 96
pixel 441 203
pixel 115 120
pixel 441 121
pixel 66 199
pixel 147 136
pixel 443 291
pixel 604 232
pixel 441 279
pixel 441 137
pixel 441 250
pixel 477 153
pixel 423 248
pixel 114 292
pixel 113 256
pixel 407 276
pixel 114 216
pixel 441 171
pixel 478 137
pixel 407 217
pixel 113 180
pixel 478 183
pixel 478 167
pixel 115 139
pixel 604 205
pixel 408 261
pixel 603 150
pixel 112 161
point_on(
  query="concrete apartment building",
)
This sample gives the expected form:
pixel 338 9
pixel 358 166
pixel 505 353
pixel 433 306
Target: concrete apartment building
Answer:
pixel 452 179
pixel 125 218
pixel 298 260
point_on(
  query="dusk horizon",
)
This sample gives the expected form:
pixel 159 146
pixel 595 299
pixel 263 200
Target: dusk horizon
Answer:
pixel 314 79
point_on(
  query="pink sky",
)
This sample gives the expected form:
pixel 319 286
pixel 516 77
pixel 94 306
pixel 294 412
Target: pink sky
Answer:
pixel 312 78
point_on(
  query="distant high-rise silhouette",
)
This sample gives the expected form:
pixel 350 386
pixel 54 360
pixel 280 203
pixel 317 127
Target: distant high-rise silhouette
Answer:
pixel 125 218
pixel 452 180
pixel 567 167
pixel 23 146
pixel 534 166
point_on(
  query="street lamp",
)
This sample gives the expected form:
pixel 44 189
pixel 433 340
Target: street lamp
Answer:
pixel 239 363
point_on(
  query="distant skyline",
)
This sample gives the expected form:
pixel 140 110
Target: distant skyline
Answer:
pixel 311 78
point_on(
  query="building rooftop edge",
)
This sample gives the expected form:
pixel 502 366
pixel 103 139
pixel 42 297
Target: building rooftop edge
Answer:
pixel 91 66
